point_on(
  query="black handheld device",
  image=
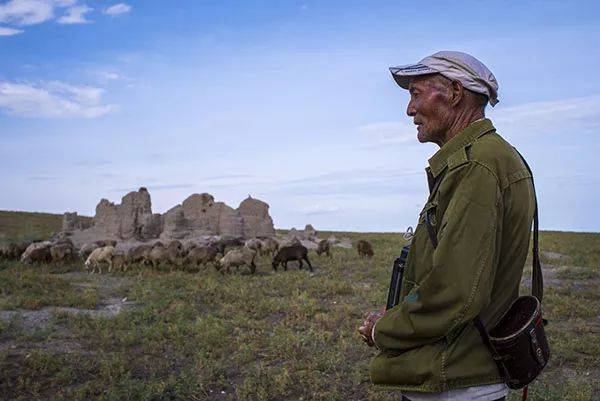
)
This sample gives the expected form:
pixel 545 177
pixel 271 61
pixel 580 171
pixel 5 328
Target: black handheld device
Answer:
pixel 396 282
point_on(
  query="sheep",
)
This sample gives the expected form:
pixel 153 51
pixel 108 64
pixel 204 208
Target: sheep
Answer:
pixel 290 242
pixel 100 256
pixel 269 246
pixel 138 254
pixel 109 255
pixel 292 252
pixel 223 242
pixel 175 253
pixel 254 243
pixel 87 249
pixel 62 251
pixel 201 255
pixel 106 242
pixel 157 255
pixel 37 252
pixel 364 248
pixel 119 260
pixel 237 258
pixel 172 254
pixel 12 250
pixel 324 248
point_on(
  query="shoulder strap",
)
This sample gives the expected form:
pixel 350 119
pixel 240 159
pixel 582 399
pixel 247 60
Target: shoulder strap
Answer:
pixel 537 280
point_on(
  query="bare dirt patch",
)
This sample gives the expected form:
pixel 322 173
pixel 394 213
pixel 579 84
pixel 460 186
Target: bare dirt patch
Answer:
pixel 26 330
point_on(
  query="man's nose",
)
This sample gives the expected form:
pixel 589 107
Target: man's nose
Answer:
pixel 410 109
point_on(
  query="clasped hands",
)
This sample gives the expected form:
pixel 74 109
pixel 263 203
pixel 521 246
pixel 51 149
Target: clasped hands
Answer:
pixel 366 329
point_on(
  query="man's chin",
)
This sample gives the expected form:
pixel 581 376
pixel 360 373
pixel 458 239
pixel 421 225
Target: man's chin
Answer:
pixel 422 136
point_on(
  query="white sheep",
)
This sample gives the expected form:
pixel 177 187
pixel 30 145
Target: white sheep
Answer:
pixel 100 256
pixel 237 258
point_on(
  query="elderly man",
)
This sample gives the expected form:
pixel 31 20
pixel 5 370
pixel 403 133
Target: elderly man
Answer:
pixel 468 251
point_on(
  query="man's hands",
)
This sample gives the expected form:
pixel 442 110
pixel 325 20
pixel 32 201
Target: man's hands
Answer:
pixel 366 329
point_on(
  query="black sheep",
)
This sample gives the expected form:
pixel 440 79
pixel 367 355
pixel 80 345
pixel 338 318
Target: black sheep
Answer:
pixel 292 252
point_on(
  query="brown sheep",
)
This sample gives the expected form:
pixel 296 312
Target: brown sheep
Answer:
pixel 237 258
pixel 171 254
pixel 293 252
pixel 12 250
pixel 324 248
pixel 176 253
pixel 107 242
pixel 138 254
pixel 63 251
pixel 269 246
pixel 364 248
pixel 255 244
pixel 38 252
pixel 201 255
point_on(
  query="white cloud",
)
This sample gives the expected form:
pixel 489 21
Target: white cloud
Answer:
pixel 9 31
pixel 105 75
pixel 52 100
pixel 26 12
pixel 581 115
pixel 117 9
pixel 389 132
pixel 33 12
pixel 109 75
pixel 320 209
pixel 83 94
pixel 75 15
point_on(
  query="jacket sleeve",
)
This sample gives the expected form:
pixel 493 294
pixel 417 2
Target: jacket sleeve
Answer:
pixel 459 283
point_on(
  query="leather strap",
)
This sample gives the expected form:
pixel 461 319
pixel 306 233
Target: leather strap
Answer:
pixel 537 280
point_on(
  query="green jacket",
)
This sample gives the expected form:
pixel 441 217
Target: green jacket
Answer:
pixel 482 211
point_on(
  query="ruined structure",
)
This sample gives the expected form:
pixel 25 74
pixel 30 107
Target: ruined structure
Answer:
pixel 72 221
pixel 198 215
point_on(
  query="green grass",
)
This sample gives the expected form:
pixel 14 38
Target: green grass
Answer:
pixel 27 225
pixel 270 336
pixel 583 249
pixel 33 288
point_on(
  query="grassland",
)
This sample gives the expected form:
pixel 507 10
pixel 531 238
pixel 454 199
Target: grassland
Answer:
pixel 270 336
pixel 29 225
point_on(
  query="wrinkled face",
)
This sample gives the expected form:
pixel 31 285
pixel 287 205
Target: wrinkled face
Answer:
pixel 430 107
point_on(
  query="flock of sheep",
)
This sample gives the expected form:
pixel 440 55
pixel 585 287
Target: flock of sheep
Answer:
pixel 224 253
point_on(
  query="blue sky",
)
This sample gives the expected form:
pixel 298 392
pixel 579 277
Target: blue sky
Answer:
pixel 290 102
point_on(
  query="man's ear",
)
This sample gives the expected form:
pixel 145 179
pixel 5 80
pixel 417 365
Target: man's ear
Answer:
pixel 457 92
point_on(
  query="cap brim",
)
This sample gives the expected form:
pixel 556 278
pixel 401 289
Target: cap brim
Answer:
pixel 403 74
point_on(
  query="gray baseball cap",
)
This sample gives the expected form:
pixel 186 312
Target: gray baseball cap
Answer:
pixel 457 66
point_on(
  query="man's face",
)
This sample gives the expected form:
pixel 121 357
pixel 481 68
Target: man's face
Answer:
pixel 430 108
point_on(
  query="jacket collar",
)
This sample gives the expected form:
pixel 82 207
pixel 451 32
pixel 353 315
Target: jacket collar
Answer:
pixel 439 161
